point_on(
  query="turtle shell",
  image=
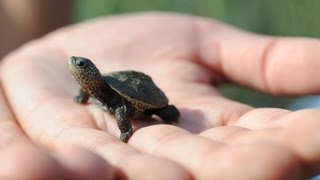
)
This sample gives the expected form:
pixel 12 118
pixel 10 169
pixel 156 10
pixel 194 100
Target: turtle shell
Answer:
pixel 137 87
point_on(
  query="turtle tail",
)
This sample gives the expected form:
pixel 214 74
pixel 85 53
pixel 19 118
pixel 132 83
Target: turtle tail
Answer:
pixel 168 114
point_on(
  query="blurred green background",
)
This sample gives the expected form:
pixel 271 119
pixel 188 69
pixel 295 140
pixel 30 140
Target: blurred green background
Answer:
pixel 273 17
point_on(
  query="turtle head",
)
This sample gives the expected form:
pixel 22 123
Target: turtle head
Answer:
pixel 84 71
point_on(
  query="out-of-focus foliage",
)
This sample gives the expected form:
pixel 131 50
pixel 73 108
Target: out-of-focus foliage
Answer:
pixel 285 17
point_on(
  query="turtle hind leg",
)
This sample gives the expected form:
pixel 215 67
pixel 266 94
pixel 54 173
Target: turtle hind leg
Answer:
pixel 168 114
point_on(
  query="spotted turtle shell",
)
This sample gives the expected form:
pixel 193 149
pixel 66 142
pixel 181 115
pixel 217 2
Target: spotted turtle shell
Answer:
pixel 138 88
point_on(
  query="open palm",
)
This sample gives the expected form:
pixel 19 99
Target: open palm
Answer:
pixel 186 56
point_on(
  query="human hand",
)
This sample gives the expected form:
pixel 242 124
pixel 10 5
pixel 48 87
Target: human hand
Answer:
pixel 21 159
pixel 186 56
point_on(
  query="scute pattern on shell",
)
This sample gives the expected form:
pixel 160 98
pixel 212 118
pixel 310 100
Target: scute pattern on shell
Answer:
pixel 136 86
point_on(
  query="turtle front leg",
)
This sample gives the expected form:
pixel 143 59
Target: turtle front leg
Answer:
pixel 122 115
pixel 82 98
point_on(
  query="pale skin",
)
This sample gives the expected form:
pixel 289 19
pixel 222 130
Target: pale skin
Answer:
pixel 186 56
pixel 17 151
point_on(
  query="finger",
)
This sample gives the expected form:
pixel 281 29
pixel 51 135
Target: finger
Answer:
pixel 81 163
pixel 300 135
pixel 16 152
pixel 121 155
pixel 254 161
pixel 262 118
pixel 190 152
pixel 198 114
pixel 70 163
pixel 264 122
pixel 56 121
pixel 9 129
pixel 15 163
pixel 199 155
pixel 272 64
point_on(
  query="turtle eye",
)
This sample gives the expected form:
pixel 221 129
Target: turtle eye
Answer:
pixel 80 63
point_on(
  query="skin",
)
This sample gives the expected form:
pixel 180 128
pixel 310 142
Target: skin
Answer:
pixel 69 162
pixel 216 138
pixel 93 85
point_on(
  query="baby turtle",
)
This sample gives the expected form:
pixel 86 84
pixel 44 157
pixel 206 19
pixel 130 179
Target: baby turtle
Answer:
pixel 125 94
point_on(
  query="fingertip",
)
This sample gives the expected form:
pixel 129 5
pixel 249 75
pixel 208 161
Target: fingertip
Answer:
pixel 292 66
pixel 276 65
